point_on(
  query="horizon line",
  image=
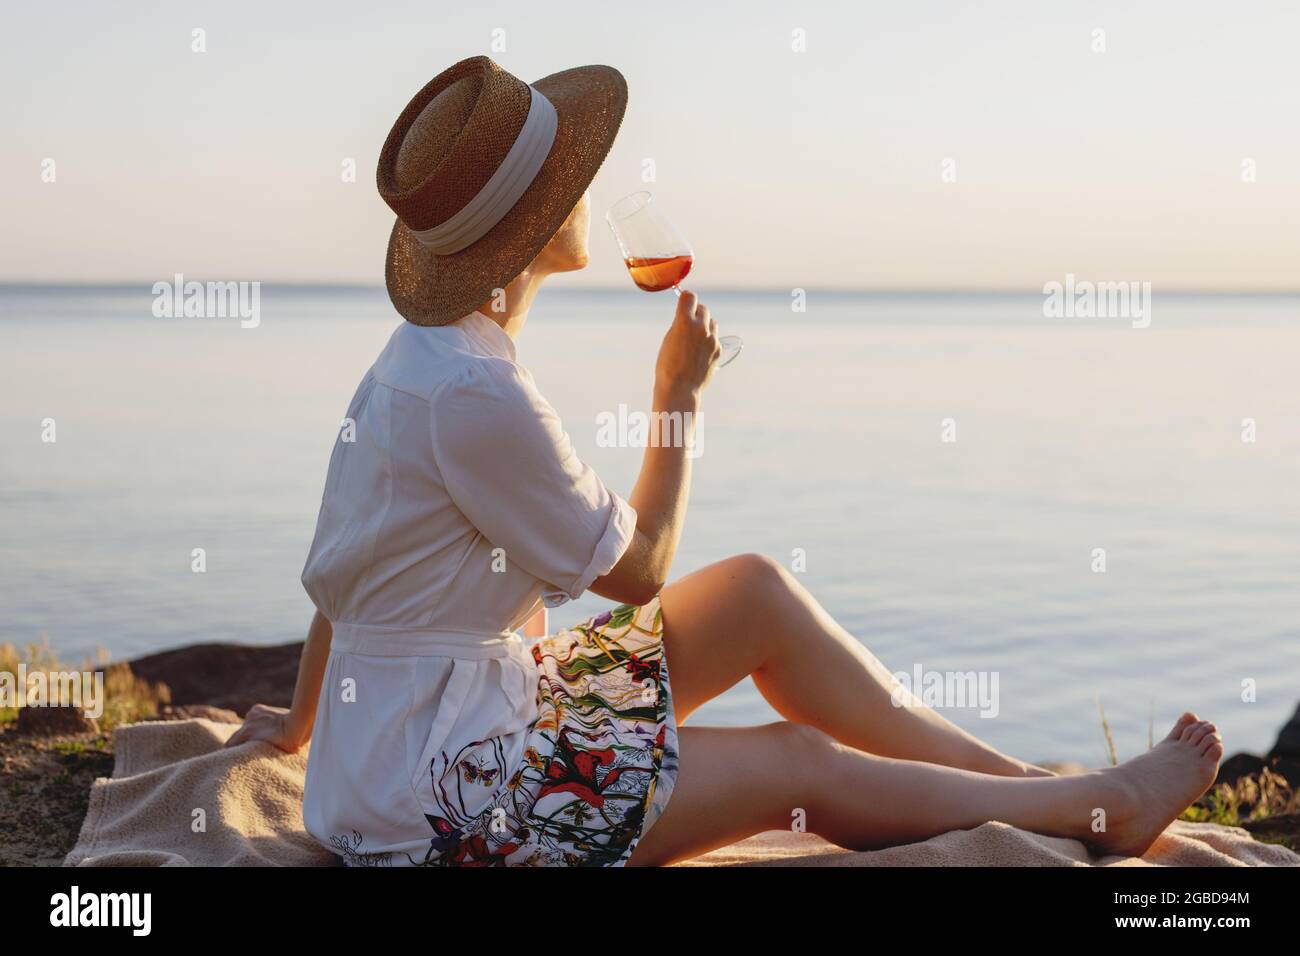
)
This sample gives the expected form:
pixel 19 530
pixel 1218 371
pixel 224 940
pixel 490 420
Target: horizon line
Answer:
pixel 122 284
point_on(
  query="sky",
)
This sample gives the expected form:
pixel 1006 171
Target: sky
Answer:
pixel 1165 148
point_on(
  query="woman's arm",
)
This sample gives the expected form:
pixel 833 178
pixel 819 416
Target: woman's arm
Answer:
pixel 290 729
pixel 686 361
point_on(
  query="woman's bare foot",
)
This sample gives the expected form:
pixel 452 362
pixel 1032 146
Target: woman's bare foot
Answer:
pixel 1148 793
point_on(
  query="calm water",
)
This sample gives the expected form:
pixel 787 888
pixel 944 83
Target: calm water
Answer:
pixel 824 436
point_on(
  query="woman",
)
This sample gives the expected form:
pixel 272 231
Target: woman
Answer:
pixel 455 512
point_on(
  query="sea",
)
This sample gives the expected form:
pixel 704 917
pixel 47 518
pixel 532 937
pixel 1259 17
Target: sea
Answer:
pixel 1075 514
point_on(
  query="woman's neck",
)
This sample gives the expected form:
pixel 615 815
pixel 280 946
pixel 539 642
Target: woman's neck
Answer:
pixel 510 309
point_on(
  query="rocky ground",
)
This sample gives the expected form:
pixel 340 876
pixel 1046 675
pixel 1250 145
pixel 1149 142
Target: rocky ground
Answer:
pixel 50 757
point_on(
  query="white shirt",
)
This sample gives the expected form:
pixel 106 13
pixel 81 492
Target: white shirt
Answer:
pixel 454 508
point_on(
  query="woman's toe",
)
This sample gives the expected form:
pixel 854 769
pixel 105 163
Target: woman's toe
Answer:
pixel 1206 731
pixel 1181 724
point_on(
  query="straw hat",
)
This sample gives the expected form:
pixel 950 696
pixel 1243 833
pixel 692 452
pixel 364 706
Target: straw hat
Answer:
pixel 482 169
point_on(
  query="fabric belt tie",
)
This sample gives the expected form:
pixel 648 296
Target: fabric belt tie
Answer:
pixel 468 651
pixel 379 641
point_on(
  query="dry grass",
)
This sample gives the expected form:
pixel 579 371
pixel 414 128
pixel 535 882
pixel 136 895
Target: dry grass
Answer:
pixel 127 698
pixel 1110 739
pixel 1251 798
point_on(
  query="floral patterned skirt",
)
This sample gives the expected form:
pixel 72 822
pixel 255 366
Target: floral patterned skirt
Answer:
pixel 597 766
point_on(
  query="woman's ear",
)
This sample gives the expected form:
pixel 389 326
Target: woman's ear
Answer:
pixel 567 250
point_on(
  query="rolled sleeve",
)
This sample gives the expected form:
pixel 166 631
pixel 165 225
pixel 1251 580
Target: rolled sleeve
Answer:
pixel 611 547
pixel 510 468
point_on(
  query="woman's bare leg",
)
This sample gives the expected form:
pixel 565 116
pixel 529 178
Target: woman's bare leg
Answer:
pixel 748 615
pixel 737 781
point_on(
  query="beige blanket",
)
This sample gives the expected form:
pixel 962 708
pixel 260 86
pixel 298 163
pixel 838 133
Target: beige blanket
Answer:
pixel 177 797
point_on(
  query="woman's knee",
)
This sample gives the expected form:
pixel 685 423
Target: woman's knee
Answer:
pixel 758 574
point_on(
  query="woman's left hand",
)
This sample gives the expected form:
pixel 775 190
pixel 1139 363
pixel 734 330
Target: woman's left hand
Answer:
pixel 271 724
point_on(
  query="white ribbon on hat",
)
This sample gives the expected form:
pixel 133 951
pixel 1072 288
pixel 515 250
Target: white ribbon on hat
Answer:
pixel 503 189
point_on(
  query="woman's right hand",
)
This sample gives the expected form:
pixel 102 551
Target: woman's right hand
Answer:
pixel 271 724
pixel 690 350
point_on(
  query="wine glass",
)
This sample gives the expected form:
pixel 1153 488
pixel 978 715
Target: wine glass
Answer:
pixel 656 254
